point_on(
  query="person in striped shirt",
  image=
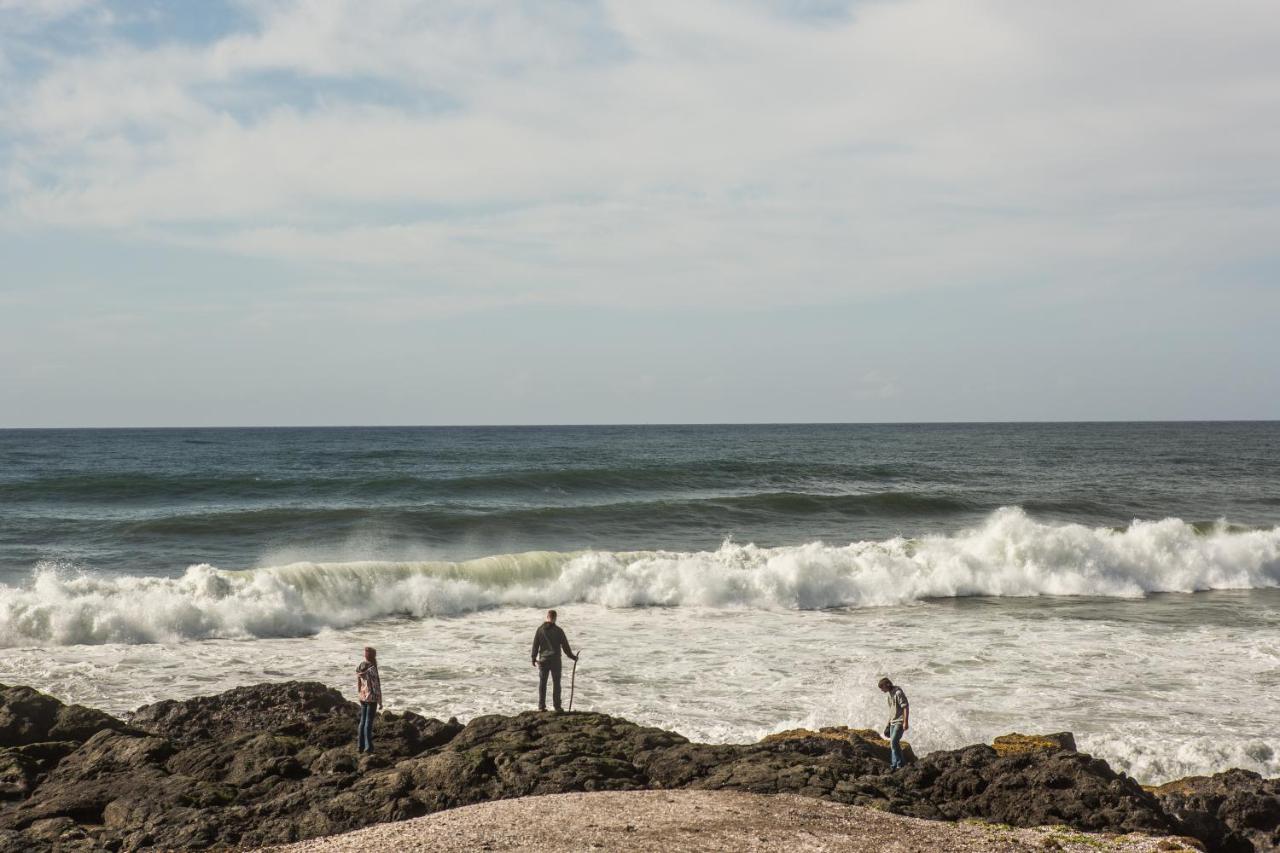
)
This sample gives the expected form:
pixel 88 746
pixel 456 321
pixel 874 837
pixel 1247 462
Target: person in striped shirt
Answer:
pixel 369 686
pixel 899 722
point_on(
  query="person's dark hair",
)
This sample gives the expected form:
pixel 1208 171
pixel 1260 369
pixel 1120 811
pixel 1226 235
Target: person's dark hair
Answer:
pixel 551 614
pixel 885 684
pixel 370 654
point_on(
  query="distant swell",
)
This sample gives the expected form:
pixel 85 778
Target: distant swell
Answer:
pixel 1010 554
pixel 452 521
pixel 881 504
pixel 143 488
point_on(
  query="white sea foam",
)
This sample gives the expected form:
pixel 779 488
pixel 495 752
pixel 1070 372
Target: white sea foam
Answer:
pixel 1009 555
pixel 1153 686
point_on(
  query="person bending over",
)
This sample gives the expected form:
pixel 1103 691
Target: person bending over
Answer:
pixel 547 643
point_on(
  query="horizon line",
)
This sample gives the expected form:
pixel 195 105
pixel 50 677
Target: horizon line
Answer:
pixel 654 424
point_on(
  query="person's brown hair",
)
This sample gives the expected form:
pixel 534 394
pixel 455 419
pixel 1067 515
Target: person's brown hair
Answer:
pixel 885 684
pixel 370 654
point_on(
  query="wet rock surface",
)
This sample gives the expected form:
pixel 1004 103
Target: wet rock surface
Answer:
pixel 275 763
pixel 1232 811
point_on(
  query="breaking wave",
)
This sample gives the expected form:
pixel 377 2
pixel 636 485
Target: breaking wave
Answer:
pixel 1010 554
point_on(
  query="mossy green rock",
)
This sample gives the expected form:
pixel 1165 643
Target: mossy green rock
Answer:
pixel 1018 744
pixel 860 737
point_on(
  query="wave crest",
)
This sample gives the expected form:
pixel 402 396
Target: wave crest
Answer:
pixel 1010 554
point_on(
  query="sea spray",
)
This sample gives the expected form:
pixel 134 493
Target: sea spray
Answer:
pixel 1010 554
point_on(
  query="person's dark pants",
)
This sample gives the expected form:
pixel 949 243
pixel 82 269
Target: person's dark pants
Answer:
pixel 895 748
pixel 365 733
pixel 551 667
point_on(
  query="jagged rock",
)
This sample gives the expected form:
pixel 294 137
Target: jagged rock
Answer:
pixel 536 753
pixel 276 763
pixel 1030 789
pixel 289 707
pixel 307 711
pixel 879 746
pixel 28 716
pixel 685 763
pixel 1234 812
pixel 1016 744
pixel 218 770
pixel 87 780
pixel 62 833
pixel 17 774
pixel 809 766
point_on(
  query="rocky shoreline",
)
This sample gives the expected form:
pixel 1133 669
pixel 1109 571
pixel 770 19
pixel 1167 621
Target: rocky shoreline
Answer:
pixel 275 763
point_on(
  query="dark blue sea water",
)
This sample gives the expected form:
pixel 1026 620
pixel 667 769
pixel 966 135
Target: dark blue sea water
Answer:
pixel 153 502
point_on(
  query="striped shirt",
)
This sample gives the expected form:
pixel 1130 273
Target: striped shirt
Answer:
pixel 368 683
pixel 897 705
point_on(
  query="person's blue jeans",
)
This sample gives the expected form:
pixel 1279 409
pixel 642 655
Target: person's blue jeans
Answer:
pixel 895 746
pixel 365 733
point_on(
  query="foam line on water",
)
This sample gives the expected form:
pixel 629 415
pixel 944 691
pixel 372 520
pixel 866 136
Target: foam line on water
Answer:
pixel 1010 554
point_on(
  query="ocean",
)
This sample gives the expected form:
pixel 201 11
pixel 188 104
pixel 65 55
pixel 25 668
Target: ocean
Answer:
pixel 1121 581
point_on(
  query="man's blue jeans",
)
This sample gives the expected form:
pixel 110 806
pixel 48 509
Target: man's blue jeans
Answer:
pixel 895 749
pixel 365 735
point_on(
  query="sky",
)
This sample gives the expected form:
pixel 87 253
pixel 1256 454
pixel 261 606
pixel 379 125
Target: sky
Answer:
pixel 298 212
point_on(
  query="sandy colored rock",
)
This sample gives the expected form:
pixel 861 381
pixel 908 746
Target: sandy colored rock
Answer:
pixel 1017 744
pixel 871 738
pixel 704 821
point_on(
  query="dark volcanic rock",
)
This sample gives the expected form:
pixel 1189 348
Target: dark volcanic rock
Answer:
pixel 1030 789
pixel 37 732
pixel 254 765
pixel 28 716
pixel 1236 811
pixel 18 774
pixel 811 767
pixel 536 753
pixel 308 710
pixel 291 707
pixel 275 763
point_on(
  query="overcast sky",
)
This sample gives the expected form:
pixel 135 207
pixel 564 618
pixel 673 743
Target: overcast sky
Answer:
pixel 393 212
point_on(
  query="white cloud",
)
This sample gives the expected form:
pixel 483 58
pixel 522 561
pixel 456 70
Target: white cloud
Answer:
pixel 31 11
pixel 689 151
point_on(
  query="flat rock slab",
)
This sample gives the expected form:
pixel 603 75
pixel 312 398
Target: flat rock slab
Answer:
pixel 663 821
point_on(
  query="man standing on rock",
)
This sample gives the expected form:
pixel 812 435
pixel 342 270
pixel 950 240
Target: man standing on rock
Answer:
pixel 899 721
pixel 547 643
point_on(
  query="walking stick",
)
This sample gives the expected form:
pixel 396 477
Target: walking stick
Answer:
pixel 573 677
